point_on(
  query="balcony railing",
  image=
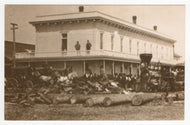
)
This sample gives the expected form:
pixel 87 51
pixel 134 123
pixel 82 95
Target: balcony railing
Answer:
pixel 23 55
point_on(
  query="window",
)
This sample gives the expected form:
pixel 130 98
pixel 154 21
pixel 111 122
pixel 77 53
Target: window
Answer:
pixel 130 45
pixel 121 44
pixel 144 47
pixel 137 47
pixel 101 40
pixel 157 51
pixel 162 49
pixel 64 41
pixel 150 48
pixel 112 42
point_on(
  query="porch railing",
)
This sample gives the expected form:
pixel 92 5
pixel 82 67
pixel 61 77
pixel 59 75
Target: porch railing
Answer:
pixel 91 53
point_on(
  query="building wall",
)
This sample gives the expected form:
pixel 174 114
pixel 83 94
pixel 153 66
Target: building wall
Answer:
pixel 49 37
pixel 145 42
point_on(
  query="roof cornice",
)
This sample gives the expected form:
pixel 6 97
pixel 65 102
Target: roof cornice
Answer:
pixel 105 18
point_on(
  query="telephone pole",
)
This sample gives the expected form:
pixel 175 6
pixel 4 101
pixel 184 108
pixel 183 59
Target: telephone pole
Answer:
pixel 14 27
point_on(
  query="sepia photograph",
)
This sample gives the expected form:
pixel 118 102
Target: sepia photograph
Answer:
pixel 94 62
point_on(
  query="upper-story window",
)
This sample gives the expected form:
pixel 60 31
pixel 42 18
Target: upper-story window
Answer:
pixel 64 42
pixel 162 55
pixel 101 40
pixel 144 47
pixel 112 36
pixel 130 46
pixel 121 44
pixel 137 47
pixel 150 48
pixel 157 51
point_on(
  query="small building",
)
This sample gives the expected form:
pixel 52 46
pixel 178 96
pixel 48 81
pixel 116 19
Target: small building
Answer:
pixel 116 43
pixel 19 47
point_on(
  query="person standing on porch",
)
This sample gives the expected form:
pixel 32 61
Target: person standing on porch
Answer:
pixel 88 47
pixel 77 47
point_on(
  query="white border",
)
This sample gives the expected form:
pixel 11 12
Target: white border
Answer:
pixel 99 2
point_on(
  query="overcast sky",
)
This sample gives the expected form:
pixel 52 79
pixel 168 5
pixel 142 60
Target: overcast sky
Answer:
pixel 169 19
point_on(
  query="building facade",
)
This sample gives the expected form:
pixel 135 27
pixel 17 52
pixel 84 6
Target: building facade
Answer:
pixel 116 43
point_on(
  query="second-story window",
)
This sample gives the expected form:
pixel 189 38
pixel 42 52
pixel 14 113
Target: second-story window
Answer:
pixel 162 51
pixel 101 40
pixel 150 48
pixel 130 46
pixel 112 42
pixel 144 47
pixel 64 42
pixel 137 47
pixel 121 44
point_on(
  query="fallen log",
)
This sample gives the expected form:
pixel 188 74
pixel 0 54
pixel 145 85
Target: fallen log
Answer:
pixel 113 100
pixel 94 101
pixel 63 98
pixel 46 99
pixel 78 99
pixel 137 100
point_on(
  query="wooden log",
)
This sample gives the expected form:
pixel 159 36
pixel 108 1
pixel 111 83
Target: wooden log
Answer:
pixel 78 99
pixel 46 99
pixel 63 98
pixel 112 100
pixel 141 98
pixel 94 101
pixel 137 100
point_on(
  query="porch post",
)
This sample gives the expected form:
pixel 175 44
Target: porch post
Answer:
pixel 123 67
pixel 84 66
pixel 104 65
pixel 113 68
pixel 131 68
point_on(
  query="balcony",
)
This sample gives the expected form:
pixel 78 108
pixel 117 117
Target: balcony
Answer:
pixel 92 53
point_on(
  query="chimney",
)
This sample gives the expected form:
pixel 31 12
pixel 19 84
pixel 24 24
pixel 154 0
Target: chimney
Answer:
pixel 134 19
pixel 81 8
pixel 155 28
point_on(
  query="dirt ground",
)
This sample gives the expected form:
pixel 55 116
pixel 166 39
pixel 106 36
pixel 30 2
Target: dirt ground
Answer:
pixel 147 111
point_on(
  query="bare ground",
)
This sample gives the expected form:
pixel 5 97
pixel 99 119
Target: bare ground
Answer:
pixel 79 112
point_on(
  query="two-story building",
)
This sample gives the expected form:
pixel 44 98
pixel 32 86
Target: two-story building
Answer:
pixel 116 43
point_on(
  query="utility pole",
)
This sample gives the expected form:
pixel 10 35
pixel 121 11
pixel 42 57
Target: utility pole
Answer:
pixel 14 27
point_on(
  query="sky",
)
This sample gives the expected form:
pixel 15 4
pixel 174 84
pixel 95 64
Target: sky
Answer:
pixel 169 19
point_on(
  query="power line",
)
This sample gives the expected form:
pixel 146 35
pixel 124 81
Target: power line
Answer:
pixel 14 27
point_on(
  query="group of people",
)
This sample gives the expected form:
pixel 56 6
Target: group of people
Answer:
pixel 127 81
pixel 78 47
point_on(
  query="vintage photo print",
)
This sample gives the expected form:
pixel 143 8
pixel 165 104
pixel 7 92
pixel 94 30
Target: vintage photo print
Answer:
pixel 94 62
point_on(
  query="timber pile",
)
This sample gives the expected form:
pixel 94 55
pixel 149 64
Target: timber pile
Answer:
pixel 88 91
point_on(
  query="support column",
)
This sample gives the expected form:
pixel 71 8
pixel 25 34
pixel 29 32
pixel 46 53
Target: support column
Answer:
pixel 104 65
pixel 123 67
pixel 131 68
pixel 113 68
pixel 84 66
pixel 138 70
